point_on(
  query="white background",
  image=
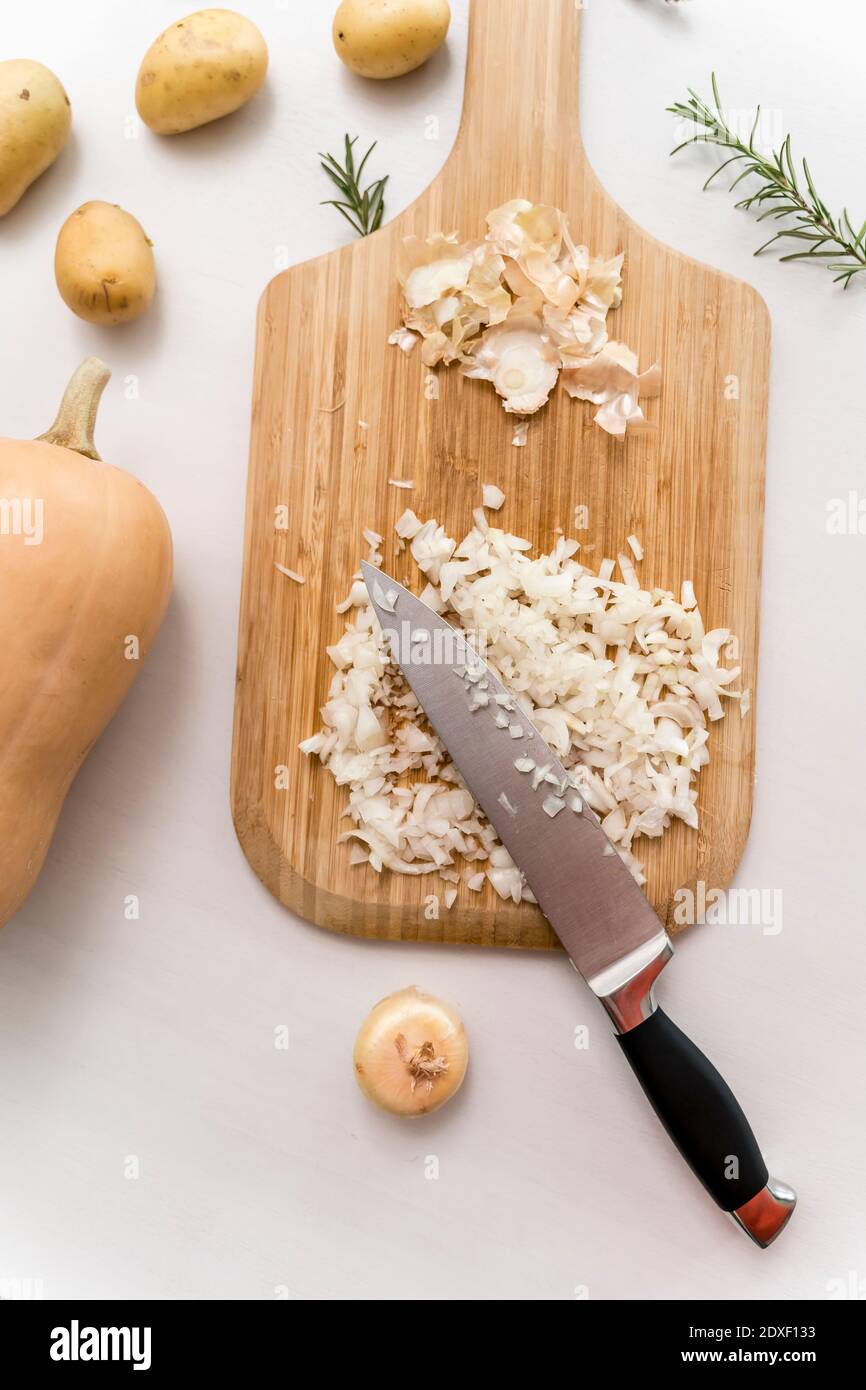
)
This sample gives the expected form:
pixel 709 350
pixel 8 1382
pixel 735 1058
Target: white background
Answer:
pixel 263 1169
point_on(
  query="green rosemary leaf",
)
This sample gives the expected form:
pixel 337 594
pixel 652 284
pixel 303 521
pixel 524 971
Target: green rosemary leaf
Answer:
pixel 792 173
pixel 343 187
pixel 775 237
pixel 363 208
pixel 341 208
pixel 744 174
pixel 815 199
pixel 364 161
pixel 693 140
pixel 763 195
pixel 722 166
pixel 807 255
pixel 377 204
pixel 857 238
pixel 805 236
pixel 777 212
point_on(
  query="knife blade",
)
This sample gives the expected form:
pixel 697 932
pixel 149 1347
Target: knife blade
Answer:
pixel 599 913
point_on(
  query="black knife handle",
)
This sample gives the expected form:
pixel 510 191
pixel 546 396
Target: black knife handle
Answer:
pixel 703 1118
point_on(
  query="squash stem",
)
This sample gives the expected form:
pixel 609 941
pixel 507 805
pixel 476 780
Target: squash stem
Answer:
pixel 76 419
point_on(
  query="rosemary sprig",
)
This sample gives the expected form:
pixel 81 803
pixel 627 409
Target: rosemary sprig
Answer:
pixel 362 209
pixel 780 195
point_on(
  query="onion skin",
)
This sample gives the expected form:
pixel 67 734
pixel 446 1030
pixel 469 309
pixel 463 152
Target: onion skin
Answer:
pixel 411 1054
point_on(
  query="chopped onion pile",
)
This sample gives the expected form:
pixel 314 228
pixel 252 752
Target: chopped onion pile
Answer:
pixel 519 307
pixel 621 681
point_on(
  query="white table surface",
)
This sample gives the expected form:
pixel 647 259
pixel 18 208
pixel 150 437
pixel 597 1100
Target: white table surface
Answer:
pixel 263 1172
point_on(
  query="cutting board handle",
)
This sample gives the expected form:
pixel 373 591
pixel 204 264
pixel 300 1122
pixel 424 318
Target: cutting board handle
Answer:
pixel 521 99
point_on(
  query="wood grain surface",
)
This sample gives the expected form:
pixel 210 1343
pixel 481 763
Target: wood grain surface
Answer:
pixel 693 491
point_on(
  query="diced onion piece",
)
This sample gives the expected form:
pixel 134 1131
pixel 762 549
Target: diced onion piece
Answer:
pixel 403 338
pixel 627 570
pixel 386 599
pixel 290 574
pixel 408 525
pixel 314 744
pixel 507 881
pixel 492 496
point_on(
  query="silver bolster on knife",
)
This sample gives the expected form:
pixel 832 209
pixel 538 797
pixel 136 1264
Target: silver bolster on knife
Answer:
pixel 626 988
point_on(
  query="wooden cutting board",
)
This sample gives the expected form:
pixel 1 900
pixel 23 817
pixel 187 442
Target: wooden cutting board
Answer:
pixel 693 492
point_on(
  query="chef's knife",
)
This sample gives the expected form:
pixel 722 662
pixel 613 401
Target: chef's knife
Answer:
pixel 603 919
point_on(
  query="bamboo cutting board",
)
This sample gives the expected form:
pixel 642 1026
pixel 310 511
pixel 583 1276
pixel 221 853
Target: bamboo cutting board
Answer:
pixel 693 492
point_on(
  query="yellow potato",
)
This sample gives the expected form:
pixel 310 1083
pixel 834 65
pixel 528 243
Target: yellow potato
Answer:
pixel 201 68
pixel 35 117
pixel 387 38
pixel 104 264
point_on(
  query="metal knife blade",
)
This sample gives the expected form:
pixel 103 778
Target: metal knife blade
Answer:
pixel 596 908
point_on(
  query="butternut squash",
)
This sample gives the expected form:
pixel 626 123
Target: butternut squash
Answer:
pixel 85 579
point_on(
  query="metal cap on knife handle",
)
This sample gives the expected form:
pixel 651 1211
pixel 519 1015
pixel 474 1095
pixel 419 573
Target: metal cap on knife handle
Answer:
pixel 768 1213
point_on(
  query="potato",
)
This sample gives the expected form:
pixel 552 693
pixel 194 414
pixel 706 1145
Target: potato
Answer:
pixel 35 117
pixel 203 67
pixel 104 264
pixel 387 38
